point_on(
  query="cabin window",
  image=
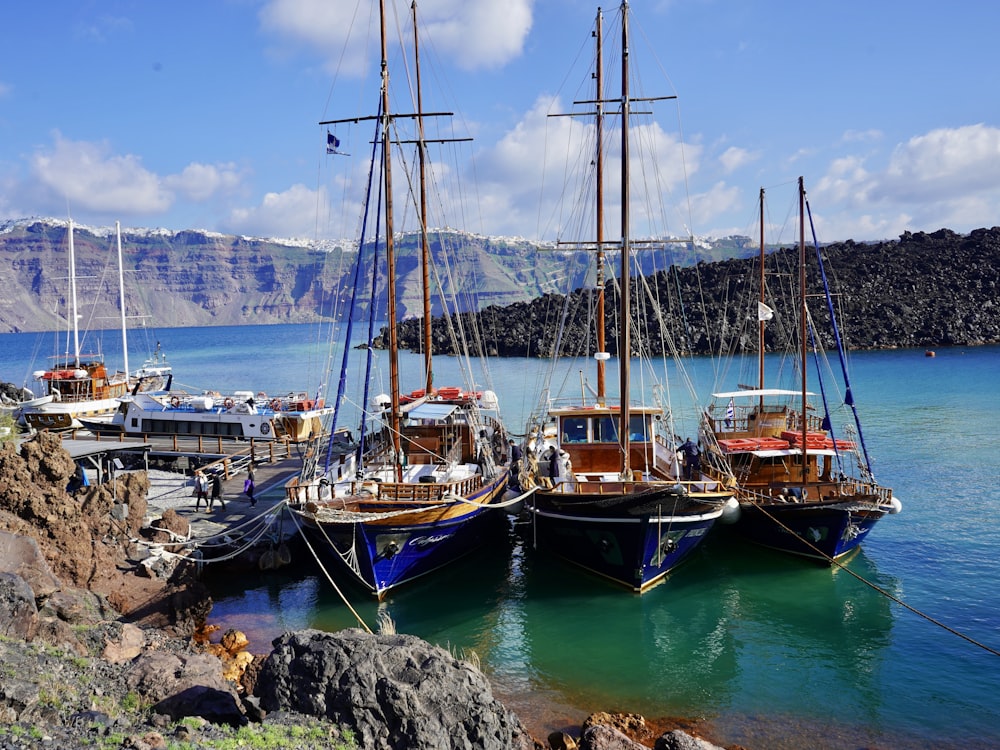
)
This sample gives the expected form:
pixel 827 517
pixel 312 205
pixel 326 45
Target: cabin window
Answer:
pixel 606 430
pixel 574 429
pixel 638 428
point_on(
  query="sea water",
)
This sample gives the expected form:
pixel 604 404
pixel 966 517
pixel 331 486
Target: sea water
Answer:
pixel 896 650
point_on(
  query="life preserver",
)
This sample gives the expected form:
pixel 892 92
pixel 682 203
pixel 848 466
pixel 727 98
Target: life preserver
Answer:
pixel 276 404
pixel 175 401
pixel 228 403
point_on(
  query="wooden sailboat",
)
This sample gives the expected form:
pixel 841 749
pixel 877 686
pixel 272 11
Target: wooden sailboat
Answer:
pixel 79 390
pixel 423 486
pixel 610 493
pixel 801 489
pixel 77 385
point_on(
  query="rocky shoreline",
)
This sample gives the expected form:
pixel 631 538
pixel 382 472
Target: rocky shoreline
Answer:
pixel 922 290
pixel 99 650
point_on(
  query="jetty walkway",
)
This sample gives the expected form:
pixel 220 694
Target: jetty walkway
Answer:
pixel 237 530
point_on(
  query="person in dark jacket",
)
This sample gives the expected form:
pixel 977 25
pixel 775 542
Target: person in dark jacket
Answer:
pixel 692 459
pixel 216 494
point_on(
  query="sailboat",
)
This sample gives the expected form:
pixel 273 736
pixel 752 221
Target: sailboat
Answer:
pixel 76 384
pixel 425 482
pixel 610 494
pixel 802 488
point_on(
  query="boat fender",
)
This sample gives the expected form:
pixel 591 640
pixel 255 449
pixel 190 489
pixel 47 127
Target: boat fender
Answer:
pixel 276 404
pixel 895 505
pixel 175 401
pixel 228 403
pixel 730 511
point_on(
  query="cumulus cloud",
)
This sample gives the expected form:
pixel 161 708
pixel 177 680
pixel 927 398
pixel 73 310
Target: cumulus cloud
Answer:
pixel 473 34
pixel 95 183
pixel 202 181
pixel 948 162
pixel 93 178
pixel 733 158
pixel 283 214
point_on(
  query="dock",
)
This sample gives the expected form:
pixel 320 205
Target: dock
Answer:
pixel 260 534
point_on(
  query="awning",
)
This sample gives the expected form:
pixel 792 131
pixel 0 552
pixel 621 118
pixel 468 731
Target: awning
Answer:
pixel 432 412
pixel 759 392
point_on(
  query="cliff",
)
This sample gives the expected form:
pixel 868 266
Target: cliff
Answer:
pixel 193 278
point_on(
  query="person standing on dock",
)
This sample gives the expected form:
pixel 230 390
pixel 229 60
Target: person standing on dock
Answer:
pixel 216 494
pixel 249 485
pixel 201 490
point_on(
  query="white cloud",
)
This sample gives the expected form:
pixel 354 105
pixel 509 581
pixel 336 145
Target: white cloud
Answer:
pixel 472 33
pixel 287 214
pixel 199 182
pixel 90 177
pixel 733 158
pixel 946 163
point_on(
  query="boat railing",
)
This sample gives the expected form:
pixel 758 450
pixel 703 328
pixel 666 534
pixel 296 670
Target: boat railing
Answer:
pixel 431 493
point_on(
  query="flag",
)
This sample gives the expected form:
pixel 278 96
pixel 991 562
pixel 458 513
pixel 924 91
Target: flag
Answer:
pixel 332 142
pixel 764 312
pixel 730 413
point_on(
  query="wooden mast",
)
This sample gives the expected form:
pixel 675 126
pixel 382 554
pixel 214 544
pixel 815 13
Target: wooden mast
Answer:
pixel 390 257
pixel 625 339
pixel 425 252
pixel 599 169
pixel 803 326
pixel 760 320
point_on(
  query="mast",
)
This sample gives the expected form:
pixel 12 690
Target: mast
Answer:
pixel 425 252
pixel 625 340
pixel 760 321
pixel 803 349
pixel 72 297
pixel 390 255
pixel 121 294
pixel 599 158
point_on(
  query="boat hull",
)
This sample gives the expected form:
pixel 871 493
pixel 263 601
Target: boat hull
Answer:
pixel 633 542
pixel 821 531
pixel 394 548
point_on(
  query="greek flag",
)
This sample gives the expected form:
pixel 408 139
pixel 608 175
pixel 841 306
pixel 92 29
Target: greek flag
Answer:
pixel 730 414
pixel 332 142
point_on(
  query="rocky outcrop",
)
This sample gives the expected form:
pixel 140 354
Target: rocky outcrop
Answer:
pixel 392 691
pixel 922 290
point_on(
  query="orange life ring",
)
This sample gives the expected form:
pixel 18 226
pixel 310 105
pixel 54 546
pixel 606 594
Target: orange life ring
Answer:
pixel 276 404
pixel 228 403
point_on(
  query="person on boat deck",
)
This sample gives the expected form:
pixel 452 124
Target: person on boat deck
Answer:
pixel 515 454
pixel 692 458
pixel 564 468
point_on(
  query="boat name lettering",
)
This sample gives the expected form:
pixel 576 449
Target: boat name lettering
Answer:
pixel 425 541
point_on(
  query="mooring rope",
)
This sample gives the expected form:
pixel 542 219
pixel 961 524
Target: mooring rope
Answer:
pixel 882 591
pixel 329 578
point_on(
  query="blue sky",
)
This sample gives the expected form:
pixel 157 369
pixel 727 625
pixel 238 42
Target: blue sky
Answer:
pixel 204 115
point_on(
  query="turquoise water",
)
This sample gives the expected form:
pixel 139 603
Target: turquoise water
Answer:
pixel 772 652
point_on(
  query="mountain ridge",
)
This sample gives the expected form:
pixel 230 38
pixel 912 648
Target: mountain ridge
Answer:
pixel 199 278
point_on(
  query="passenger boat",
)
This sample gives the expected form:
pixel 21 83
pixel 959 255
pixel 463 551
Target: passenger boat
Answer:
pixel 805 485
pixel 609 492
pixel 241 414
pixel 425 484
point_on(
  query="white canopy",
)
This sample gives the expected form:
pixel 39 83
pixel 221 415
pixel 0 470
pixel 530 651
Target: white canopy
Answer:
pixel 759 392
